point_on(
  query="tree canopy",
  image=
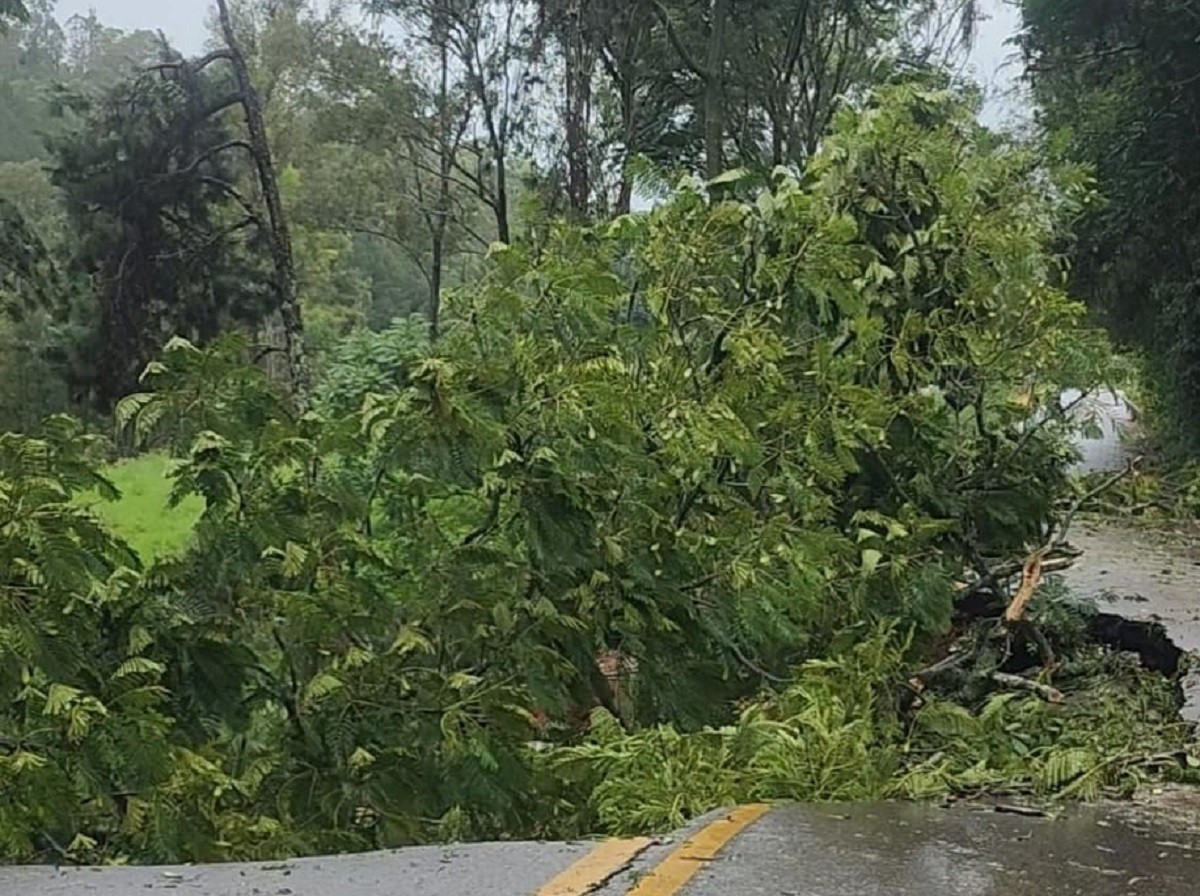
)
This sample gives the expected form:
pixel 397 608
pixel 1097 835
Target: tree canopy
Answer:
pixel 577 416
pixel 1117 89
pixel 726 437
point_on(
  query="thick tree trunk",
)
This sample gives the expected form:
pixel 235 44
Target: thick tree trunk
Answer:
pixel 437 261
pixel 501 204
pixel 278 236
pixel 714 91
pixel 441 214
pixel 580 63
pixel 625 195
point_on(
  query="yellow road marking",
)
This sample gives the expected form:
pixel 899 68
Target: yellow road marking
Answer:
pixel 669 877
pixel 595 868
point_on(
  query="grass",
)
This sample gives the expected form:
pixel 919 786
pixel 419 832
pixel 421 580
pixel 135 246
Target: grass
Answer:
pixel 142 515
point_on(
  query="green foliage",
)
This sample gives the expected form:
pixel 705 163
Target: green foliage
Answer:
pixel 149 181
pixel 833 733
pixel 1116 89
pixel 1116 718
pixel 83 714
pixel 829 734
pixel 740 440
pixel 371 363
pixel 38 55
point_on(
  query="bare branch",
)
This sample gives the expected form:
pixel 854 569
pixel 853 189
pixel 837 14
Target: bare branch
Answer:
pixel 196 64
pixel 665 19
pixel 1083 499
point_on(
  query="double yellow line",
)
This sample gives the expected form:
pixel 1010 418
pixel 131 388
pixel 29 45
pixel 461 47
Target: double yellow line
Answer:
pixel 670 875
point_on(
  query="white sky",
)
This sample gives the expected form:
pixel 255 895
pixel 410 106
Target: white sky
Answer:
pixel 181 20
pixel 996 66
pixel 183 23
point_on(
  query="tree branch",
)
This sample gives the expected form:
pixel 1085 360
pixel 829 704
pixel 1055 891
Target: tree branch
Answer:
pixel 197 64
pixel 665 19
pixel 1104 486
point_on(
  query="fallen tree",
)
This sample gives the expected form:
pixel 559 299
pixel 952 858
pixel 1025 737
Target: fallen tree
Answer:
pixel 987 604
pixel 746 441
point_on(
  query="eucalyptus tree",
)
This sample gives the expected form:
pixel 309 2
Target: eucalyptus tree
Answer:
pixel 707 85
pixel 488 53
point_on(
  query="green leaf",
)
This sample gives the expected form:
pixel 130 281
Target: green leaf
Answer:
pixel 410 640
pixel 320 686
pixel 870 560
pixel 59 698
pixel 138 665
pixel 733 176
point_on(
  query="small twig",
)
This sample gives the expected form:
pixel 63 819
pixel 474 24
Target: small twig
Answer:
pixel 1045 691
pixel 1130 467
pixel 1028 811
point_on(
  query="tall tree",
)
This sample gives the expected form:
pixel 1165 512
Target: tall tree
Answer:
pixel 103 54
pixel 278 237
pixel 386 130
pixel 579 57
pixel 638 115
pixel 703 54
pixel 796 62
pixel 162 230
pixel 31 61
pixel 1118 89
pixel 713 84
pixel 323 85
pixel 494 48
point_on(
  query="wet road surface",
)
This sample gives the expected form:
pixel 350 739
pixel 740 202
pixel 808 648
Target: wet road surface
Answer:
pixel 1148 575
pixel 890 849
pixel 1140 573
pixel 500 868
pixel 1109 445
pixel 916 850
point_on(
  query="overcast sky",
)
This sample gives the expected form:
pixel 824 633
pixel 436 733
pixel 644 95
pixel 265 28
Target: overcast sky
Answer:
pixel 181 20
pixel 995 65
pixel 183 23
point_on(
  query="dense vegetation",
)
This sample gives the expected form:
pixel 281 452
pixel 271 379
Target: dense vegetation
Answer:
pixel 1118 88
pixel 741 447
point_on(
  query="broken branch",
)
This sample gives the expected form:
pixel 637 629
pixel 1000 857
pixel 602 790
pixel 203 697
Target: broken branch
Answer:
pixel 1045 691
pixel 1104 486
pixel 1031 577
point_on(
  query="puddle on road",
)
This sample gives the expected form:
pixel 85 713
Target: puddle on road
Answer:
pixel 1135 572
pixel 920 850
pixel 1146 575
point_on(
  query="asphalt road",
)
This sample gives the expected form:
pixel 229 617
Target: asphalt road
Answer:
pixel 911 850
pixel 871 850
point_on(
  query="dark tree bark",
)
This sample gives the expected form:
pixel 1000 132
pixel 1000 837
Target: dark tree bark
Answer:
pixel 503 229
pixel 711 73
pixel 623 31
pixel 580 65
pixel 446 150
pixel 714 91
pixel 278 236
